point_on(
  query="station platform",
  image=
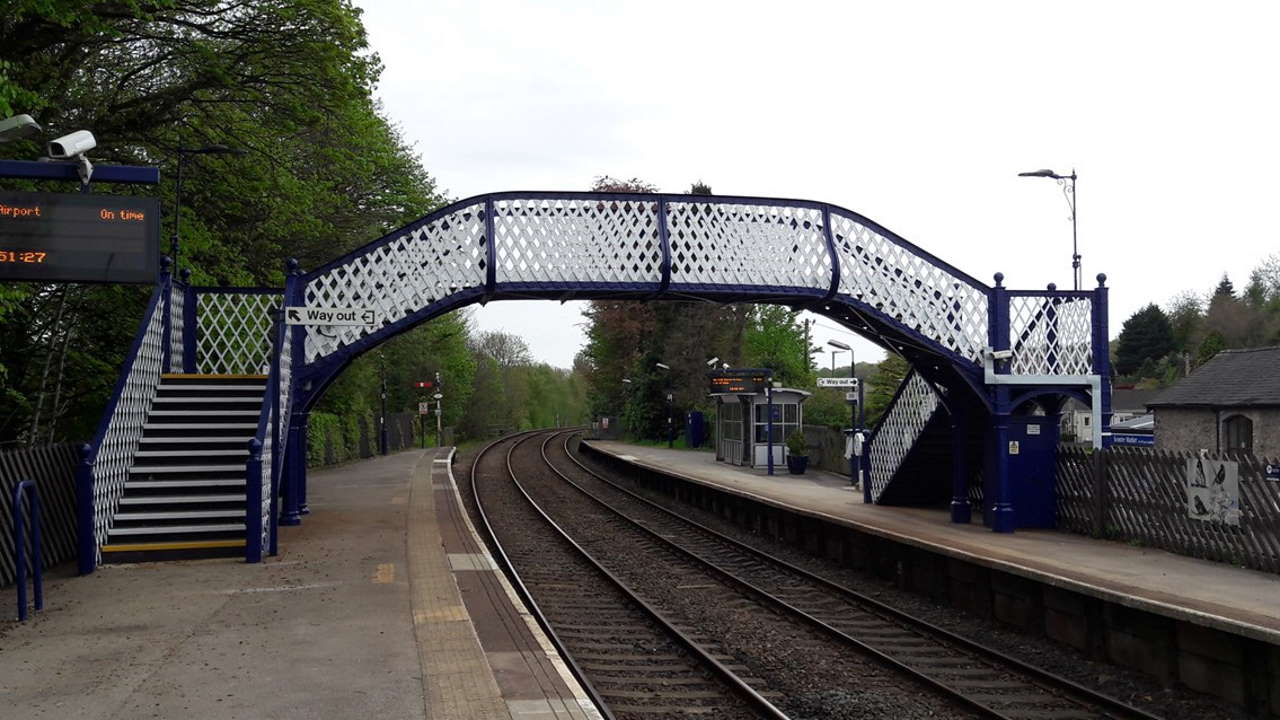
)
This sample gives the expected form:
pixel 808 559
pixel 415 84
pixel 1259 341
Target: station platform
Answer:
pixel 383 603
pixel 1230 599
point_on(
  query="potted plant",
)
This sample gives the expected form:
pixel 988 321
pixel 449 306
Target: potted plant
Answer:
pixel 797 460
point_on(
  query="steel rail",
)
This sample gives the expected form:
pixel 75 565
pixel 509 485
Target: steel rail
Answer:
pixel 1069 689
pixel 753 698
pixel 527 596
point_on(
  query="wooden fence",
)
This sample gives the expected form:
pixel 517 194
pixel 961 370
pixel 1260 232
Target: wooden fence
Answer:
pixel 1140 495
pixel 54 469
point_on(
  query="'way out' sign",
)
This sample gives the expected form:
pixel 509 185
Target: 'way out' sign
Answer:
pixel 329 316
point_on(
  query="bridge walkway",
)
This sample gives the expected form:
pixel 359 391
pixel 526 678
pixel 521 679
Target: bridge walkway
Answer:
pixel 381 605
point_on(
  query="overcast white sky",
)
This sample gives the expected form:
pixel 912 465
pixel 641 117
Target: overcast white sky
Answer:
pixel 917 115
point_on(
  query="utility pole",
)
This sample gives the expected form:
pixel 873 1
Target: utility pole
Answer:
pixel 808 358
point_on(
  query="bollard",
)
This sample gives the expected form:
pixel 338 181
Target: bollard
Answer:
pixel 20 491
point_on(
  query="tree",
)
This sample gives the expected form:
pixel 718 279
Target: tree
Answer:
pixel 890 373
pixel 1146 335
pixel 1225 288
pixel 506 349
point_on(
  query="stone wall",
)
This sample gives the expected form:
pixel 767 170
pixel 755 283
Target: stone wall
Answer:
pixel 1193 429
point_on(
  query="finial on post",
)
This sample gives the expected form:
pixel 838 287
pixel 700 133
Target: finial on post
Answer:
pixel 1053 287
pixel 999 279
pixel 1102 279
pixel 186 275
pixel 166 262
pixel 291 266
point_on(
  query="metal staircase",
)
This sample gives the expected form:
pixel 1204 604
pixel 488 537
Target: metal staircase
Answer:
pixel 185 492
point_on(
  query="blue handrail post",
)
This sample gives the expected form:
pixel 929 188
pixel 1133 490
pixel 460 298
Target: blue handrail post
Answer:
pixel 27 489
pixel 253 503
pixel 86 542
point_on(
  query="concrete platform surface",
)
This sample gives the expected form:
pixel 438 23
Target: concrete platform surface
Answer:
pixel 362 615
pixel 1233 599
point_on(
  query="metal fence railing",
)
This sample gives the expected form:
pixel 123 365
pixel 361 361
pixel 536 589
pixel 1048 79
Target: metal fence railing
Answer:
pixel 53 468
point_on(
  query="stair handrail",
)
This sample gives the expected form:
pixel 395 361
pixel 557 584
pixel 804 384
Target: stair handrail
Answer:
pixel 871 444
pixel 100 478
pixel 27 490
pixel 261 469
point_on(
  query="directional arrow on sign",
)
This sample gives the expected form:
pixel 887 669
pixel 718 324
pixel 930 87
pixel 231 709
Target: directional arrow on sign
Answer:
pixel 294 316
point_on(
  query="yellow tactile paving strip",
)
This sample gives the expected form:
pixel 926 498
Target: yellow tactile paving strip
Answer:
pixel 457 682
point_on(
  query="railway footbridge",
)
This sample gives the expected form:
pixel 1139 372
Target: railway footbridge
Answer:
pixel 203 444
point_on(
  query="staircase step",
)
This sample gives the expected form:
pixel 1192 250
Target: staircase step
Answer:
pixel 158 484
pixel 204 413
pixel 154 469
pixel 182 499
pixel 191 454
pixel 228 388
pixel 199 426
pixel 198 377
pixel 174 529
pixel 207 439
pixel 179 515
pixel 144 547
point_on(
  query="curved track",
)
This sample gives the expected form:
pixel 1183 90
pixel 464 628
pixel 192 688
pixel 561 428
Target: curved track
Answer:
pixel 633 661
pixel 985 681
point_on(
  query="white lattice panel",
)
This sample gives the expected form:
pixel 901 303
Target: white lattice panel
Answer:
pixel 754 245
pixel 119 443
pixel 422 266
pixel 577 240
pixel 233 332
pixel 1051 335
pixel 910 288
pixel 899 429
pixel 177 301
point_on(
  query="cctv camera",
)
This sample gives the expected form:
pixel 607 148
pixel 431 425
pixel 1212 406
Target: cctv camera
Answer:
pixel 17 128
pixel 1001 354
pixel 69 146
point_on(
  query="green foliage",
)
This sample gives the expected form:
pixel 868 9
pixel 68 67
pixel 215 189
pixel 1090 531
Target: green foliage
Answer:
pixel 775 339
pixel 1147 336
pixel 1212 344
pixel 889 375
pixel 796 444
pixel 288 81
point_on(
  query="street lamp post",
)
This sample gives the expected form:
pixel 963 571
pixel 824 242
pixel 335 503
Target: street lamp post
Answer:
pixel 382 418
pixel 853 406
pixel 671 440
pixel 183 154
pixel 1068 185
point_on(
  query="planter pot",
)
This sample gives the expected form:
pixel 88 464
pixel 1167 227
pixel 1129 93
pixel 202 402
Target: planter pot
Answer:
pixel 796 464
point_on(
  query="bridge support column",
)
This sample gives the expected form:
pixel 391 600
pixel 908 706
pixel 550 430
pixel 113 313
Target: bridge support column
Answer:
pixel 1002 510
pixel 295 471
pixel 960 509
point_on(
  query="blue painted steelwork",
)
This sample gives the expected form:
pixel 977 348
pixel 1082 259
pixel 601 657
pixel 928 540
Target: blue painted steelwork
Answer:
pixel 120 174
pixel 27 490
pixel 641 246
pixel 86 490
pixel 253 499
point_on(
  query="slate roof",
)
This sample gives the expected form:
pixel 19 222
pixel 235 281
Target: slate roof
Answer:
pixel 1235 378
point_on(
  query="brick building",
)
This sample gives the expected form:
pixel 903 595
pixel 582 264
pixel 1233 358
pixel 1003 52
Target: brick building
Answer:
pixel 1231 402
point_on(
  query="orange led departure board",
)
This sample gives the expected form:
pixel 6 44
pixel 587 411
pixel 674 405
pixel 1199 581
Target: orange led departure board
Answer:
pixel 53 237
pixel 748 381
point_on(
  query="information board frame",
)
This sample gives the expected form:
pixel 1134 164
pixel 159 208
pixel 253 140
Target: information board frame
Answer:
pixel 87 234
pixel 739 381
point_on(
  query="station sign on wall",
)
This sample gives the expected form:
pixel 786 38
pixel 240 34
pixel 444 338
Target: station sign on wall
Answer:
pixel 54 237
pixel 739 381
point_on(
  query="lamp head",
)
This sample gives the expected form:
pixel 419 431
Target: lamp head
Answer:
pixel 838 345
pixel 18 127
pixel 664 366
pixel 1045 172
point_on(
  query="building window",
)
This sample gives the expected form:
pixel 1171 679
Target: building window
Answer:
pixel 786 420
pixel 1237 433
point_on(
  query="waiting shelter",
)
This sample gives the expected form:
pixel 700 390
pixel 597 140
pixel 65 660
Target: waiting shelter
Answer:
pixel 743 424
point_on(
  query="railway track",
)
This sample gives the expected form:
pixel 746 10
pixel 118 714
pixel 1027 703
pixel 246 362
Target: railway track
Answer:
pixel 633 661
pixel 983 680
